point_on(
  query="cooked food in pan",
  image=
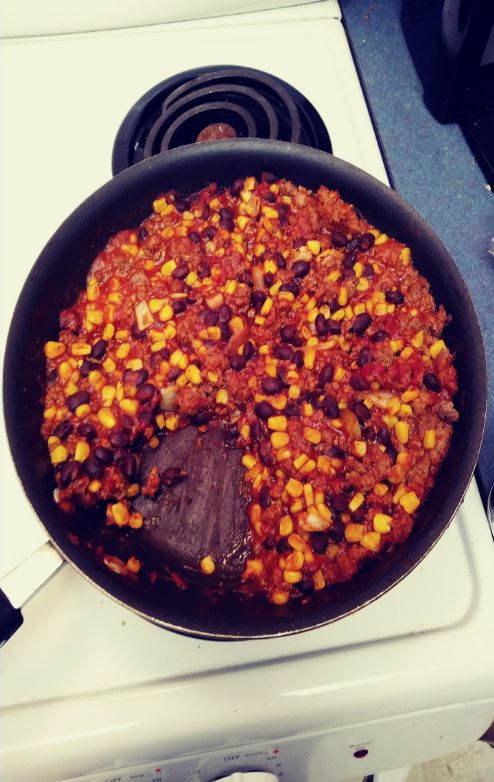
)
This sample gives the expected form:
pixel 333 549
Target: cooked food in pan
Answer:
pixel 283 317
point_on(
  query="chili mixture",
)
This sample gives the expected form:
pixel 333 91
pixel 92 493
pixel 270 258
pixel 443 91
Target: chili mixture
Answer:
pixel 306 331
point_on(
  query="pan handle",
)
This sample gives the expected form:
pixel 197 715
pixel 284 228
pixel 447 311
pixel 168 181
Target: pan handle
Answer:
pixel 21 583
pixel 10 618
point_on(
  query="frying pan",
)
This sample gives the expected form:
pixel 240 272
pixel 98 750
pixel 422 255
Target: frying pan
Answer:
pixel 60 273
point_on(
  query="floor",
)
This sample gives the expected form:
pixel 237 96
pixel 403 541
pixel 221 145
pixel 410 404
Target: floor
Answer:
pixel 474 764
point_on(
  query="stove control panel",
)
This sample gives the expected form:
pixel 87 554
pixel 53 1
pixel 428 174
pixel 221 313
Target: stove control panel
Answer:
pixel 250 776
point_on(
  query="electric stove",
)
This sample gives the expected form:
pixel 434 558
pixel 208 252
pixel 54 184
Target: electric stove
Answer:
pixel 90 690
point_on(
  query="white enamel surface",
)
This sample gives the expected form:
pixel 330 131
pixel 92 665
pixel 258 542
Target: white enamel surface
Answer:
pixel 88 689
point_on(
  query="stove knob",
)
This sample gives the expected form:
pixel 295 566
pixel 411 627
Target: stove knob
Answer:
pixel 249 776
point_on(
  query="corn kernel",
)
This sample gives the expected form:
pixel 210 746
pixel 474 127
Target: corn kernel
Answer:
pixel 356 501
pixel 371 541
pixel 106 418
pixel 359 448
pixel 418 340
pixel 285 526
pixel 300 460
pixel 120 514
pixel 409 501
pixel 248 461
pixel 283 454
pixel 129 406
pixel 342 296
pixel 319 580
pixel 292 576
pixel 80 349
pixel 294 488
pixel 406 352
pixel 402 432
pixel 312 435
pixel 279 597
pixel 171 423
pixel 49 413
pixel 279 439
pixel 314 246
pixel 193 375
pixel 135 520
pixel 430 439
pixel 405 411
pixel 382 523
pixel 82 451
pixel 436 348
pixel 166 313
pixel 82 411
pixel 381 239
pixel 222 396
pixel 277 423
pixel 94 486
pixel 309 358
pixel 58 455
pixel 92 290
pixel 208 565
pixel 354 532
pixel 324 463
pixel 405 256
pixel 308 467
pixel 108 332
pixel 267 306
pixel 380 489
pixel 168 268
pixel 308 494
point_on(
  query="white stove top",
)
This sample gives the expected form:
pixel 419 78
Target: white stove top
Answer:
pixel 96 670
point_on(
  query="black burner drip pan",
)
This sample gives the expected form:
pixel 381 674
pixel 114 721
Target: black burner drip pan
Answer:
pixel 216 102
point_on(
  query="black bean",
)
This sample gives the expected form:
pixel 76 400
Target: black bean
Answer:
pixel 313 398
pixel 93 467
pixel 226 331
pixel 300 269
pixel 119 439
pixel 319 542
pixel 279 260
pixel 358 515
pixel 127 421
pixel 361 411
pixel 357 382
pixel 201 418
pixel 292 409
pixel 383 436
pixel 87 367
pixel 306 586
pixel 142 234
pixel 338 239
pixel 209 232
pixel 265 453
pixel 320 324
pixel 380 336
pixel 269 542
pixel 269 279
pixel 287 333
pixel 283 352
pixel 283 212
pixel 270 385
pixel 347 272
pixel 300 242
pixel 104 455
pixel 230 435
pixel 333 326
pixel 146 392
pixel 366 241
pixel 361 323
pixel 432 382
pixel 237 186
pixel 395 297
pixel 339 503
pixel 119 454
pixel 69 472
pixel 79 398
pixel 256 430
pixel 52 377
pixel 246 279
pixel 264 410
pixel 194 237
pixel 99 349
pixel 203 271
pixel 337 530
pixel 291 287
pixel 364 357
pixel 224 313
pixel 135 377
pixel 172 475
pixel 63 430
pixel 88 431
pixel 368 271
pixel 237 362
pixel 182 205
pixel 349 260
pixel 210 317
pixel 172 375
pixel 264 497
pixel 180 272
pixel 257 298
pixel 392 452
pixel 326 375
pixel 129 466
pixel 179 305
pixel 329 406
pixel 298 359
pixel 248 351
pixel 227 219
pixel 283 546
